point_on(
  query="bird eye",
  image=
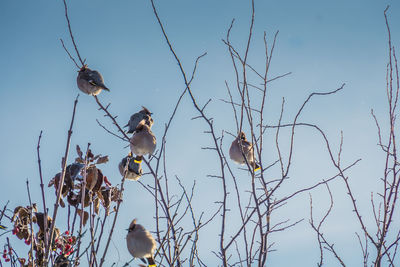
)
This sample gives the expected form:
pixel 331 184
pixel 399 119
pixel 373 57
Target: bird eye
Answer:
pixel 131 229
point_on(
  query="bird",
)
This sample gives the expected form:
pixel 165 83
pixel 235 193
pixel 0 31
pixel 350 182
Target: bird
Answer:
pixel 139 117
pixel 134 169
pixel 90 81
pixel 143 140
pixel 141 243
pixel 240 146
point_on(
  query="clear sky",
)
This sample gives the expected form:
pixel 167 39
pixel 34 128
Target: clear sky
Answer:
pixel 323 44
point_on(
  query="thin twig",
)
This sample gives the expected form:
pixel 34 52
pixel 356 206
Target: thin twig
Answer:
pixel 61 182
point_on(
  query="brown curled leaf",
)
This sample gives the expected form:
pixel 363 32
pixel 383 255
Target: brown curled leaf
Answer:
pixel 40 221
pixel 79 151
pixel 99 182
pixel 96 203
pixel 91 177
pixel 102 160
pixel 85 215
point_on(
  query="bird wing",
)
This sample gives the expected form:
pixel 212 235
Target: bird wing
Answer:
pixel 134 121
pixel 96 79
pixel 134 166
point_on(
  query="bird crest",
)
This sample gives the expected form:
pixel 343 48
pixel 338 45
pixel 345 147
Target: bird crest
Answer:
pixel 84 67
pixel 147 111
pixel 132 225
pixel 242 136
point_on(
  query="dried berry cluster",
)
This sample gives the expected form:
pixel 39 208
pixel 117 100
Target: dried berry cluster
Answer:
pixel 7 253
pixel 64 243
pixel 83 180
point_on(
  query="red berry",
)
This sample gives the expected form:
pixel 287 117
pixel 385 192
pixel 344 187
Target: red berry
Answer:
pixel 56 240
pixel 28 242
pixel 70 240
pixel 67 247
pixel 67 232
pixel 5 256
pixel 7 260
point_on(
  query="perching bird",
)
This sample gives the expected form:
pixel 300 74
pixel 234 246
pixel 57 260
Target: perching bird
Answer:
pixel 143 141
pixel 141 243
pixel 134 171
pixel 142 116
pixel 90 81
pixel 236 153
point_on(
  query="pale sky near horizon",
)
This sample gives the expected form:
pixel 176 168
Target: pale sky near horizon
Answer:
pixel 323 44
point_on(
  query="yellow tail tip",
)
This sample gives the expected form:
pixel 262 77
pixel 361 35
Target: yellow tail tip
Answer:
pixel 137 161
pixel 152 265
pixel 256 169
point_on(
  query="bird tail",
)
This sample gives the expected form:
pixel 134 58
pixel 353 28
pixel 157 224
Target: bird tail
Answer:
pixel 138 159
pixel 256 166
pixel 105 88
pixel 151 262
pixel 3 227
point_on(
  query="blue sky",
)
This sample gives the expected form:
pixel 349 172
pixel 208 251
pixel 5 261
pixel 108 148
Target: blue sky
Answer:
pixel 323 44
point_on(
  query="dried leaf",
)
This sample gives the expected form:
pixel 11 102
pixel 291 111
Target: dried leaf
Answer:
pixel 22 261
pixel 115 194
pixel 52 181
pixel 102 160
pixel 90 154
pixel 99 182
pixel 79 160
pixel 68 184
pixel 100 195
pixel 91 177
pixel 85 215
pixel 40 221
pixel 23 233
pixel 16 212
pixel 96 203
pixel 79 151
pixel 86 202
pixel 106 198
